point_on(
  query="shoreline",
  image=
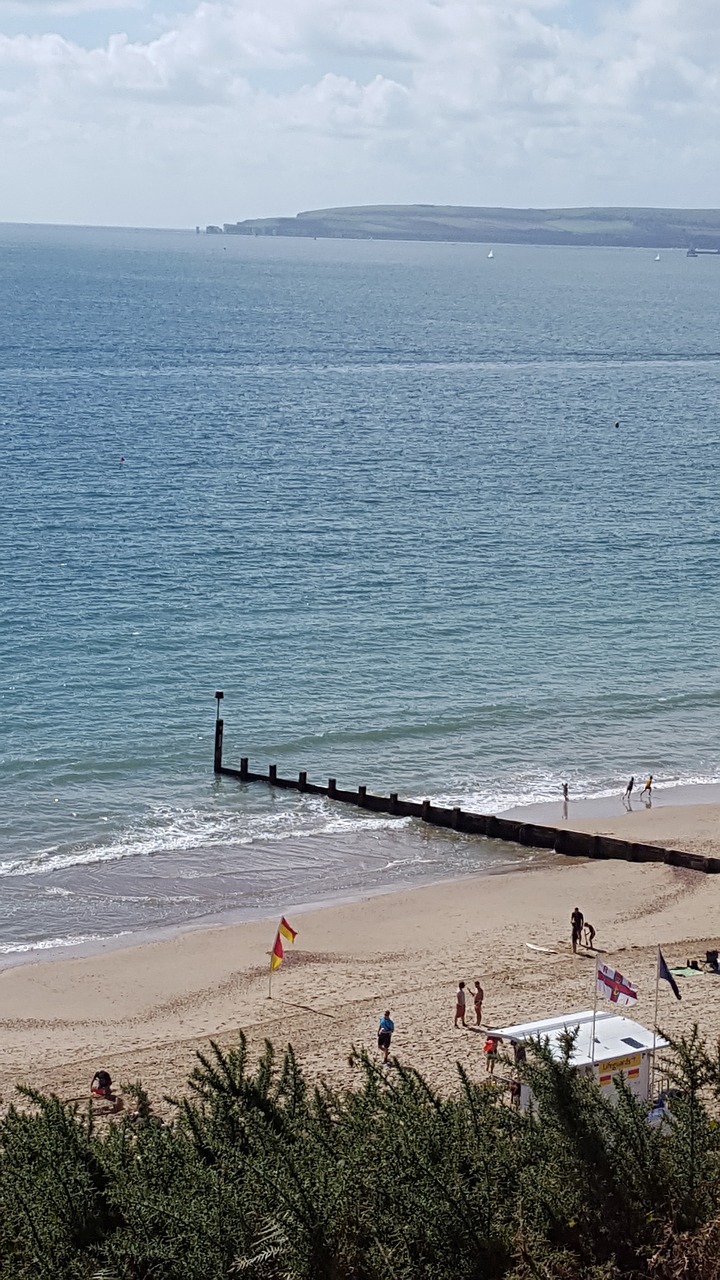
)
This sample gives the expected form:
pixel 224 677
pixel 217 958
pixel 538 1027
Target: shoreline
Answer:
pixel 684 817
pixel 682 795
pixel 233 918
pixel 143 1011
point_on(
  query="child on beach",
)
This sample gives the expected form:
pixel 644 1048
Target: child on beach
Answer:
pixel 648 786
pixel 101 1086
pixel 589 935
pixel 460 1001
pixel 385 1030
pixel 490 1049
pixel 478 997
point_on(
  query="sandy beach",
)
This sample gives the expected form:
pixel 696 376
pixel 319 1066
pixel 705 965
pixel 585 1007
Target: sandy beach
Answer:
pixel 142 1012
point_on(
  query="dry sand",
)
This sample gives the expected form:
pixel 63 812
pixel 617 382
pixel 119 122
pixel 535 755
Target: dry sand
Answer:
pixel 144 1011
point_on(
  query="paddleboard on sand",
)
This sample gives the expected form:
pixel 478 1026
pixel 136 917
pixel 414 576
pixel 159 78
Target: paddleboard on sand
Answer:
pixel 550 951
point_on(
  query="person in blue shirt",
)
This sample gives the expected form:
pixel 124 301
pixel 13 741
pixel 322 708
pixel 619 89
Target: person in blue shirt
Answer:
pixel 385 1030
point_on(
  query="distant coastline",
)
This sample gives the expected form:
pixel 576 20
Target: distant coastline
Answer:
pixel 613 227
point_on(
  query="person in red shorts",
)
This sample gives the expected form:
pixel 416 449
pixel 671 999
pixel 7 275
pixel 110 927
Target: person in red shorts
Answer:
pixel 460 1002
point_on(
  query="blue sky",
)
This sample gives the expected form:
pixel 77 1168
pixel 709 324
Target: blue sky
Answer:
pixel 120 111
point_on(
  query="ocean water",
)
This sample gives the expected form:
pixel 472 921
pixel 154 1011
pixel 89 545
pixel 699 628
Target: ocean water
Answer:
pixel 375 493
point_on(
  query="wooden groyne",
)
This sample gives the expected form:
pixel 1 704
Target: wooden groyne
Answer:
pixel 531 835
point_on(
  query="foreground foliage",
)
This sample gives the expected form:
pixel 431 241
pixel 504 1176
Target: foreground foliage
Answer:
pixel 261 1175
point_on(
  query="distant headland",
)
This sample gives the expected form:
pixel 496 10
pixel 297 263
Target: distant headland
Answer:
pixel 641 228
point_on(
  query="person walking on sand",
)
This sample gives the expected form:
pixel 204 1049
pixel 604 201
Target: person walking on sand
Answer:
pixel 577 920
pixel 629 789
pixel 478 997
pixel 647 787
pixel 460 1002
pixel 385 1030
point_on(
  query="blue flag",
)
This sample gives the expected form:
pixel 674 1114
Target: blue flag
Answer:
pixel 665 974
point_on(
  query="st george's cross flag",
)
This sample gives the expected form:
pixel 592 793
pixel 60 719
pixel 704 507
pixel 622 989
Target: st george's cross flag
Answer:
pixel 613 986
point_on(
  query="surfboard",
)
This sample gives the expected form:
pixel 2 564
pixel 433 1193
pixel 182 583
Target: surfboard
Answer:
pixel 550 951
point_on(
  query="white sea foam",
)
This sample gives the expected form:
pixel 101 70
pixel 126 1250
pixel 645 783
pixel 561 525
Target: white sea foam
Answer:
pixel 49 944
pixel 168 831
pixel 545 789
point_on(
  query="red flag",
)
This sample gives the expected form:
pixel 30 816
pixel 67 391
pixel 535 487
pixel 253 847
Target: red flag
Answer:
pixel 277 953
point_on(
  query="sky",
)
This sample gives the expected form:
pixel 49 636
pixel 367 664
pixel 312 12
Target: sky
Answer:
pixel 121 112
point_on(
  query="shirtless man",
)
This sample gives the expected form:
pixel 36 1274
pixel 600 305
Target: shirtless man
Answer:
pixel 478 997
pixel 577 920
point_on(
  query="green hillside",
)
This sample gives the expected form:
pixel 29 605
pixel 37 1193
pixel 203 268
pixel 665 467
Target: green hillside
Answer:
pixel 652 228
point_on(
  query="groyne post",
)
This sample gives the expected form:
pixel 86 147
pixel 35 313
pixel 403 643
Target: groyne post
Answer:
pixel 562 839
pixel 219 695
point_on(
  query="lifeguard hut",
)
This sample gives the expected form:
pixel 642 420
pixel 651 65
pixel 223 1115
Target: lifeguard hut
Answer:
pixel 620 1046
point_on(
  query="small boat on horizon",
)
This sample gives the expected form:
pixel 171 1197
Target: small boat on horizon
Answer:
pixel 657 257
pixel 491 254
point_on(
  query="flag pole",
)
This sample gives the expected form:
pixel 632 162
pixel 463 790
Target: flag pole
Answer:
pixel 657 990
pixel 592 1035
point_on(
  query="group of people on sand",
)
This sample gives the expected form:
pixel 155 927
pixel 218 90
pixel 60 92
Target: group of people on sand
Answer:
pixel 582 931
pixel 646 791
pixel 478 995
pixel 387 1026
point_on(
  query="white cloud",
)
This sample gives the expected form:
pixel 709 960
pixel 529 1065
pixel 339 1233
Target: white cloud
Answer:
pixel 52 9
pixel 281 104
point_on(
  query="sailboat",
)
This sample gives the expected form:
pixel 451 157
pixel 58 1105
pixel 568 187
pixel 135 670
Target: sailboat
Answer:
pixel 657 257
pixel 491 254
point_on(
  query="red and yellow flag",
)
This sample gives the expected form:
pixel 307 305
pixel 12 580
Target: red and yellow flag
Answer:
pixel 277 953
pixel 287 930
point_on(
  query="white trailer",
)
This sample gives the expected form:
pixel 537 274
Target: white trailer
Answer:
pixel 620 1046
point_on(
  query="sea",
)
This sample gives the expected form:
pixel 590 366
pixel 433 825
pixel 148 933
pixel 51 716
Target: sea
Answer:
pixel 433 522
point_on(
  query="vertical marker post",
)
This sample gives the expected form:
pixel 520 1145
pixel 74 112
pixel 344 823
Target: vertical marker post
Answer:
pixel 654 1049
pixel 594 1022
pixel 219 695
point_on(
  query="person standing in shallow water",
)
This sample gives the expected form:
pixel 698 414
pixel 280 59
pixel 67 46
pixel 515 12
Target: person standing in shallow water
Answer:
pixel 629 789
pixel 460 1002
pixel 566 794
